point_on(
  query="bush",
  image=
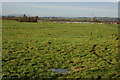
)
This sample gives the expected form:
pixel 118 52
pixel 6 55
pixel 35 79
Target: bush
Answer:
pixel 27 19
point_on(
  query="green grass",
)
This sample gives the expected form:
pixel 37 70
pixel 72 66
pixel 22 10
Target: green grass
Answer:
pixel 31 49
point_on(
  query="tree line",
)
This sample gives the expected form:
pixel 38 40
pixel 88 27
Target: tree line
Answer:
pixel 24 18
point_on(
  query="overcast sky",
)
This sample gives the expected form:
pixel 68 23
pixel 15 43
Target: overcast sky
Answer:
pixel 60 0
pixel 64 9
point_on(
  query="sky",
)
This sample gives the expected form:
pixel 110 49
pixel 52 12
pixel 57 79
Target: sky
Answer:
pixel 60 0
pixel 62 9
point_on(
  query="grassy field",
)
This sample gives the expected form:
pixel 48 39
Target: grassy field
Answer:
pixel 30 50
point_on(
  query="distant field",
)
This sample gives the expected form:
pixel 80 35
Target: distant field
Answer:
pixel 30 50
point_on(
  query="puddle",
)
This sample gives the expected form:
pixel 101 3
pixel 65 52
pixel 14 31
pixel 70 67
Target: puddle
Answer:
pixel 60 70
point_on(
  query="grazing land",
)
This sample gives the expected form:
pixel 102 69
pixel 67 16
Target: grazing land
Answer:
pixel 31 50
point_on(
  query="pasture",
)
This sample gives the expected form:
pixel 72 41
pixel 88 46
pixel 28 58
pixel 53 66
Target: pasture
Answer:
pixel 30 50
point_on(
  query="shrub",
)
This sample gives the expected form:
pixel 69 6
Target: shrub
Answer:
pixel 27 19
